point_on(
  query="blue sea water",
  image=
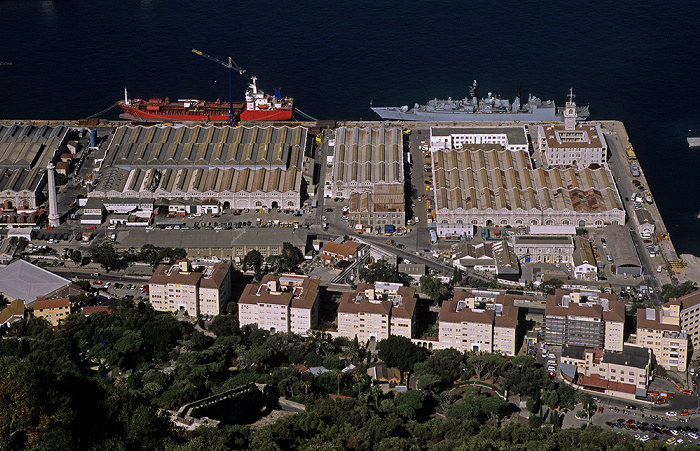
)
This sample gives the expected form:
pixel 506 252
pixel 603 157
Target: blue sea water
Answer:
pixel 631 61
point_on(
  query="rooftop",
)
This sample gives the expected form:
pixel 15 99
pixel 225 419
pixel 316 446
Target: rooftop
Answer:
pixel 514 135
pixel 474 178
pixel 22 280
pixel 634 356
pixel 368 155
pixel 292 290
pixel 380 298
pixel 51 303
pixel 620 246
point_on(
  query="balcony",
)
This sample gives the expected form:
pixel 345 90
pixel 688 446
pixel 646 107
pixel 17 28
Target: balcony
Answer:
pixel 674 335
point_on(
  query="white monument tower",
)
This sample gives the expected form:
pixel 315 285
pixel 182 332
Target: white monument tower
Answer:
pixel 54 219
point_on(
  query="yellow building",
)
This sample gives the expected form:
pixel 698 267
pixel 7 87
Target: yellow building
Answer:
pixel 285 303
pixel 377 311
pixel 53 310
pixel 660 330
pixel 200 287
pixel 464 324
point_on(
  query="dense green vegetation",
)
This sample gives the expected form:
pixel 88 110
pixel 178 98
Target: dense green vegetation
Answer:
pixel 384 271
pixel 102 382
pixel 669 291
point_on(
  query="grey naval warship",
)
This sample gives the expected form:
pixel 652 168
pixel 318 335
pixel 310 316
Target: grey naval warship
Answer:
pixel 491 108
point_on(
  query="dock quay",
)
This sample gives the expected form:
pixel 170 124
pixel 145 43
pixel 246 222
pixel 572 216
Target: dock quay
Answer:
pixel 620 157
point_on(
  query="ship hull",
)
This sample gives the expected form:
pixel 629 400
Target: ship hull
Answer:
pixel 395 113
pixel 279 114
pixel 177 116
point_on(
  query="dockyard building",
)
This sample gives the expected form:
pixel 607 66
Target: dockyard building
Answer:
pixel 572 144
pixel 644 221
pixel 584 262
pixel 285 303
pixel 479 256
pixel 484 187
pixel 385 205
pixel 25 151
pixel 509 138
pixel 622 251
pixel 366 157
pixel 233 167
pixel 543 248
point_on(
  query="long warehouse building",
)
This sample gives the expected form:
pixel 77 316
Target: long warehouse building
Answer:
pixel 239 167
pixel 483 185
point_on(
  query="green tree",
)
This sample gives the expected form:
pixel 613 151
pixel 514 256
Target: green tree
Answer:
pixel 400 352
pixel 76 256
pixel 287 261
pixel 254 260
pixel 446 363
pixel 383 271
pixel 669 291
pixel 150 254
pixel 433 288
pixel 457 277
pixel 224 325
pixel 550 286
pixel 104 253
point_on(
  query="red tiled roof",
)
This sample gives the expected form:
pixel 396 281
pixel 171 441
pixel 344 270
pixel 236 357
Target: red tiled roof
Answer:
pixel 217 276
pixel 449 314
pixel 653 324
pixel 593 381
pixel 342 251
pixel 87 311
pixel 51 303
pixel 687 301
pixel 621 387
pixel 349 303
pixel 161 276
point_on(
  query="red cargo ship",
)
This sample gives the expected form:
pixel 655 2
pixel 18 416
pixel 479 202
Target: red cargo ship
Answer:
pixel 258 106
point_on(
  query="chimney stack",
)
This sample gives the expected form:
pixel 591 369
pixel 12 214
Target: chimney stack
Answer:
pixel 54 218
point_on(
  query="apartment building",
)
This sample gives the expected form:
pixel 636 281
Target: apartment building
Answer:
pixel 690 316
pixel 584 319
pixel 624 373
pixel 199 287
pixel 285 303
pixel 52 310
pixel 466 324
pixel 377 311
pixel 660 330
